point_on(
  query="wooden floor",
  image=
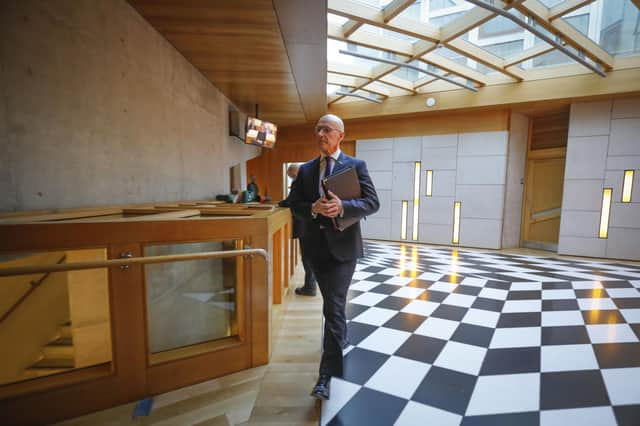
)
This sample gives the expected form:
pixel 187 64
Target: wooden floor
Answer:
pixel 275 394
pixel 283 398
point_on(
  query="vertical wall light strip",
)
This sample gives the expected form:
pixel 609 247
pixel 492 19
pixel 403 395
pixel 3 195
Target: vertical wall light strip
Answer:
pixel 456 221
pixel 604 214
pixel 416 200
pixel 627 185
pixel 429 183
pixel 403 223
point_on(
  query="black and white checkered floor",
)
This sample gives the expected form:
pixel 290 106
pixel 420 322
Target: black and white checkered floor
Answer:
pixel 441 336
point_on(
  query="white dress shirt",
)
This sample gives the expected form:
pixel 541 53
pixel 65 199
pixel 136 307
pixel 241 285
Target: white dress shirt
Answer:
pixel 323 167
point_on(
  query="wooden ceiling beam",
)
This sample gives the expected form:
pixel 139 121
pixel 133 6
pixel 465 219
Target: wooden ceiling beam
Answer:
pixel 374 41
pixel 422 47
pixel 454 68
pixel 353 70
pixel 381 89
pixel 354 82
pixel 359 71
pixel 344 80
pixel 566 7
pixel 392 10
pixel 539 49
pixel 398 82
pixel 395 8
pixel 426 80
pixel 350 27
pixel 364 14
pixel 471 19
pixel 567 32
pixel 478 54
pixel 381 74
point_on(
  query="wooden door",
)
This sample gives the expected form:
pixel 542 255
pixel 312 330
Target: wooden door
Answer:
pixel 543 198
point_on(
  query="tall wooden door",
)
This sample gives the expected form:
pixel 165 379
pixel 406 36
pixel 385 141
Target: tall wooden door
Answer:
pixel 543 198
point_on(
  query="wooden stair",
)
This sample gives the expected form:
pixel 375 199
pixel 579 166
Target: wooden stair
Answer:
pixel 57 356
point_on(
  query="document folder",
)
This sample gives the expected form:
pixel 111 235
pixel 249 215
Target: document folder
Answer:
pixel 346 185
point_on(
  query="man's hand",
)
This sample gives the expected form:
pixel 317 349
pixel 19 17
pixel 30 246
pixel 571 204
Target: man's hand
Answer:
pixel 328 207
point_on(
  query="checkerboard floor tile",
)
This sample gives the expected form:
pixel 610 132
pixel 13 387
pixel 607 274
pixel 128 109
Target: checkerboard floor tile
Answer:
pixel 470 338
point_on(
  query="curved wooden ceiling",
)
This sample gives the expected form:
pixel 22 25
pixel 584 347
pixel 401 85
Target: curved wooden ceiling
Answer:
pixel 271 53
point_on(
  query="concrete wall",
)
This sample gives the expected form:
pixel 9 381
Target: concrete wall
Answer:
pixel 467 167
pixel 378 153
pixel 97 108
pixel 603 142
pixel 516 163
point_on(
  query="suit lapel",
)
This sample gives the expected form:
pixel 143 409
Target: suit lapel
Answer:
pixel 339 165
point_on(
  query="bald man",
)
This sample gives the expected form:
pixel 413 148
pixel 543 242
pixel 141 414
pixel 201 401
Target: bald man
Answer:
pixel 309 286
pixel 332 253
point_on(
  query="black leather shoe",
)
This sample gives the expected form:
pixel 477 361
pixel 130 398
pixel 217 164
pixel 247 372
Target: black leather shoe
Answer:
pixel 304 291
pixel 321 389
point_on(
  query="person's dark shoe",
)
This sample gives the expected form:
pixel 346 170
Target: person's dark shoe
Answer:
pixel 304 291
pixel 321 389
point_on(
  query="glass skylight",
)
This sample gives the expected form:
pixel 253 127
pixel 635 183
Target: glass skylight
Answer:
pixel 551 3
pixel 340 20
pixel 613 24
pixel 411 74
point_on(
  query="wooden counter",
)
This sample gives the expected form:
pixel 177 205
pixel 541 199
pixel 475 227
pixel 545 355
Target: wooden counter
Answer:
pixel 128 229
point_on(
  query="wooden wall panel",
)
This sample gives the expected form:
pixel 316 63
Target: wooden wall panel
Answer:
pixel 286 256
pixel 550 130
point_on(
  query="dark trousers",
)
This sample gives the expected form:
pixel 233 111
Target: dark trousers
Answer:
pixel 309 278
pixel 334 279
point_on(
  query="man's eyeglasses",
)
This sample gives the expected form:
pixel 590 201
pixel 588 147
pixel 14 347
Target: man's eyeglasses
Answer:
pixel 325 129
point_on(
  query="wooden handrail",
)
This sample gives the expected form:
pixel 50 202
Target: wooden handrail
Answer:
pixel 34 285
pixel 26 270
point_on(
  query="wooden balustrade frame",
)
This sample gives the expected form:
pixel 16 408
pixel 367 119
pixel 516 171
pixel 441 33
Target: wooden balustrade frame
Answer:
pixel 131 376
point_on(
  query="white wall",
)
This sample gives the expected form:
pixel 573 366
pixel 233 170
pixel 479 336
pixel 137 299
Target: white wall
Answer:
pixel 604 140
pixel 467 167
pixel 516 163
pixel 378 153
pixel 97 108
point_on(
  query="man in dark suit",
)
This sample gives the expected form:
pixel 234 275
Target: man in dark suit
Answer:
pixel 309 287
pixel 332 253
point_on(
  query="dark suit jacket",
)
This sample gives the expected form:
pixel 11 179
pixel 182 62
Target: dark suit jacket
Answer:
pixel 297 230
pixel 342 245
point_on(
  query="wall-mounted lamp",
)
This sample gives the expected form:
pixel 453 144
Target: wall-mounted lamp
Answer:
pixel 429 191
pixel 627 186
pixel 403 220
pixel 416 200
pixel 457 206
pixel 604 214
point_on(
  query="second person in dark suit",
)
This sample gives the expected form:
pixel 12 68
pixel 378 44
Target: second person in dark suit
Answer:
pixel 309 287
